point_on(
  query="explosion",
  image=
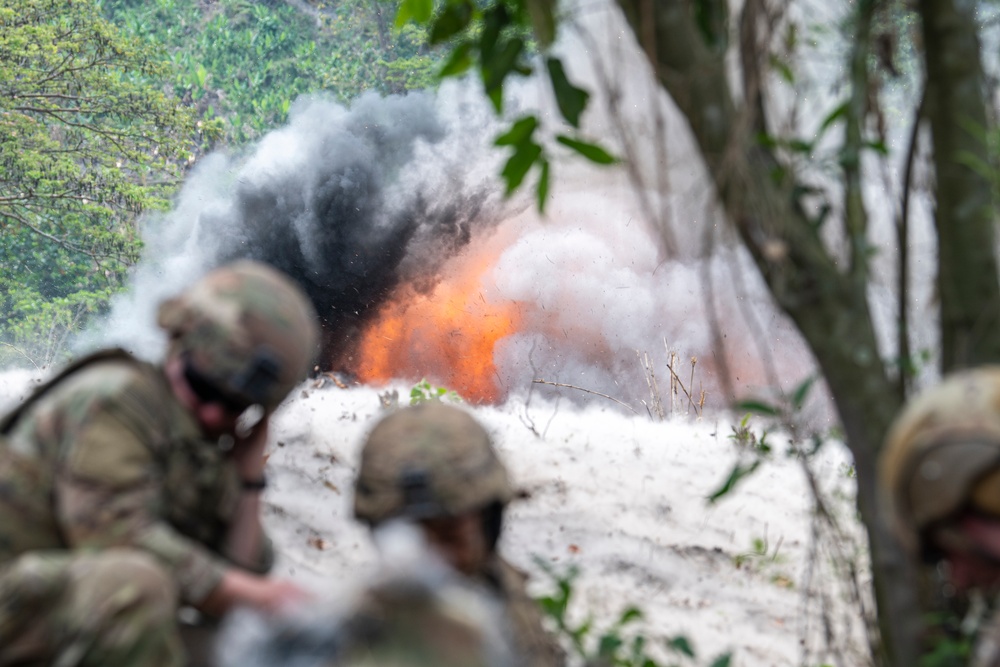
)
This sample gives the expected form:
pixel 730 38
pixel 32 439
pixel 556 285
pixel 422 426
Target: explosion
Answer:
pixel 446 333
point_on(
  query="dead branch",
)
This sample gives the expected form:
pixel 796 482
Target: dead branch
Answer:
pixel 589 391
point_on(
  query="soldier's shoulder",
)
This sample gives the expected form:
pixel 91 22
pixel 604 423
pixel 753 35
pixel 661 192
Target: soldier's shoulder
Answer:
pixel 104 382
pixel 509 575
pixel 112 376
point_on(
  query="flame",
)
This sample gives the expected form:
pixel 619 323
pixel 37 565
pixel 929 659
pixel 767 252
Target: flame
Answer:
pixel 447 335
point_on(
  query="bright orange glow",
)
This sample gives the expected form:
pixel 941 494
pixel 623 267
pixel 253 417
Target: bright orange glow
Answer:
pixel 446 335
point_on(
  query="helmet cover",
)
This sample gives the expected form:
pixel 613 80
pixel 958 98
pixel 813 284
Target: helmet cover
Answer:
pixel 942 454
pixel 246 327
pixel 426 461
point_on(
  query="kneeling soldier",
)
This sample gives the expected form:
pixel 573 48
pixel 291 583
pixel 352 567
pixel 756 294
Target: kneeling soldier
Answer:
pixel 127 488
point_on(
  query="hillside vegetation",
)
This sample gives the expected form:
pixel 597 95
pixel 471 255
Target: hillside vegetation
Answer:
pixel 109 103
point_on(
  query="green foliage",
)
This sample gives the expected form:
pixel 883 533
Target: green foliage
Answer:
pixel 754 449
pixel 242 63
pixel 104 103
pixel 424 391
pixel 495 36
pixel 951 638
pixel 761 558
pixel 619 645
pixel 87 141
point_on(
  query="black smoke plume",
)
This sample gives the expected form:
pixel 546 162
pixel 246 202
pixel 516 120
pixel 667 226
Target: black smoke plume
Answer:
pixel 351 202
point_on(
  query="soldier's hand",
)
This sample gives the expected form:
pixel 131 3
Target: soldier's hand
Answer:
pixel 239 588
pixel 248 452
pixel 282 595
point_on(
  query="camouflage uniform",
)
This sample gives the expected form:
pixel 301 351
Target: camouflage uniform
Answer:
pixel 435 460
pixel 113 505
pixel 941 459
pixel 425 618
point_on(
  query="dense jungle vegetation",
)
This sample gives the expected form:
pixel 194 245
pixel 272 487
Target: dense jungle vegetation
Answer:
pixel 106 105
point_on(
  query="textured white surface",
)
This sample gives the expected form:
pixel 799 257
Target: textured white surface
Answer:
pixel 619 496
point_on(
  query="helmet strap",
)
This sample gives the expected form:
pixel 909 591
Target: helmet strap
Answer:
pixel 493 523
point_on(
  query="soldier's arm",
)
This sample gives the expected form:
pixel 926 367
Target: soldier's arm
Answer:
pixel 246 543
pixel 109 493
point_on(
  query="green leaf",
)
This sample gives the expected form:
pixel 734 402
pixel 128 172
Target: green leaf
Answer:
pixel 799 146
pixel 722 660
pixel 500 62
pixel 800 393
pixel 419 11
pixel 783 69
pixel 458 62
pixel 543 21
pixel 833 117
pixel 877 146
pixel 592 152
pixel 681 645
pixel 494 20
pixel 738 472
pixel 609 644
pixel 570 99
pixel 496 98
pixel 542 190
pixel 766 140
pixel 709 22
pixel 758 407
pixel 519 132
pixel 629 615
pixel 519 163
pixel 452 20
pixel 551 607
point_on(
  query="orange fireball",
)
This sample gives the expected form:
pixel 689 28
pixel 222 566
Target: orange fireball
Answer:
pixel 446 335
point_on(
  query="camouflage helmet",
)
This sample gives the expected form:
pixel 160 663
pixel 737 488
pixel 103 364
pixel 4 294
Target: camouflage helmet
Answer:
pixel 247 329
pixel 942 455
pixel 426 461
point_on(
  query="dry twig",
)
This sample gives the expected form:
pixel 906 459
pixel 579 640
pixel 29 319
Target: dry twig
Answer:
pixel 589 391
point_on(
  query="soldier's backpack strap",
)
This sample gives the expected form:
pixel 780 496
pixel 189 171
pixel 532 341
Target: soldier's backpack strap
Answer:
pixel 8 420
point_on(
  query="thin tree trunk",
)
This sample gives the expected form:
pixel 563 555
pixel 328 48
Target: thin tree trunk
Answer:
pixel 830 307
pixel 967 284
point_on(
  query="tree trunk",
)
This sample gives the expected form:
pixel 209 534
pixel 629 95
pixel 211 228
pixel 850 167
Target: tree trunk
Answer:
pixel 830 307
pixel 956 107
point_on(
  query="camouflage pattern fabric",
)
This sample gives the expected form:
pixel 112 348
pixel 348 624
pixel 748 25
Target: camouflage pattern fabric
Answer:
pixel 941 446
pixel 246 326
pixel 445 624
pixel 427 460
pixel 89 610
pixel 535 647
pixel 428 616
pixel 107 458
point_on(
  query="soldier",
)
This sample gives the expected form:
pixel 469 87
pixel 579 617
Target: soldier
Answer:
pixel 127 488
pixel 940 474
pixel 434 464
